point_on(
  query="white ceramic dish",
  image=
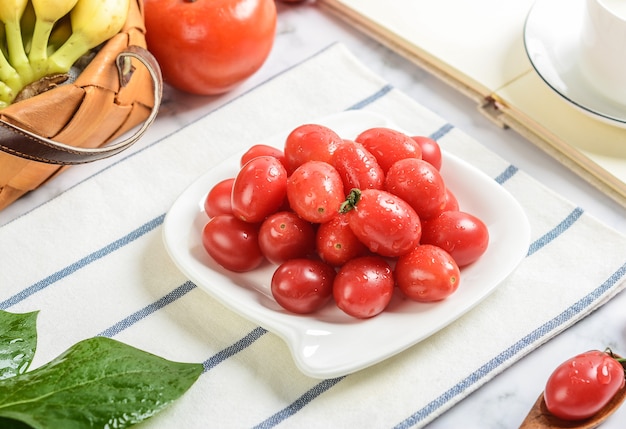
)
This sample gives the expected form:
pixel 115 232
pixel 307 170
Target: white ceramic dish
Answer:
pixel 551 39
pixel 329 343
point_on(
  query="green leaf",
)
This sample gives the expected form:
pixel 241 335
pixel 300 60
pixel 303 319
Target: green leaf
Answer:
pixel 98 382
pixel 18 342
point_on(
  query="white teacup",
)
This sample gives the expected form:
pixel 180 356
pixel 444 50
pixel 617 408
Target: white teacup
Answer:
pixel 603 47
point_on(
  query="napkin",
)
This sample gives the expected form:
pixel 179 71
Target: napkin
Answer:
pixel 93 262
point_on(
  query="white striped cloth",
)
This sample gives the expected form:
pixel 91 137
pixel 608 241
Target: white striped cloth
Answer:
pixel 93 262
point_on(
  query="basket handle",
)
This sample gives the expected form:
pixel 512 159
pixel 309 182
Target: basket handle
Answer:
pixel 25 144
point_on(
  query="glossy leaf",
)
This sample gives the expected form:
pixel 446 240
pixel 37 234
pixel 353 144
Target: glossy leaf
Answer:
pixel 98 382
pixel 18 341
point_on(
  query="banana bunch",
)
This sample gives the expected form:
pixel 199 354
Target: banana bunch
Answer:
pixel 41 39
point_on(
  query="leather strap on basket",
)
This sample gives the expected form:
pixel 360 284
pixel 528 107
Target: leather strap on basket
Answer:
pixel 25 144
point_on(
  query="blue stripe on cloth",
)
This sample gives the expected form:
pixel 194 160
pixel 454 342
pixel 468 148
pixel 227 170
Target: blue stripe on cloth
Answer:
pixel 506 174
pixel 516 348
pixel 378 94
pixel 445 129
pixel 127 322
pixel 299 403
pixel 240 345
pixel 81 263
pixel 556 231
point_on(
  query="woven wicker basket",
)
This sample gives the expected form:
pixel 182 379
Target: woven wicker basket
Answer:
pixel 82 121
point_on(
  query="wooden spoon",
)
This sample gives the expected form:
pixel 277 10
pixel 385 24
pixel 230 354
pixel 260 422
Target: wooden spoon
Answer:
pixel 540 418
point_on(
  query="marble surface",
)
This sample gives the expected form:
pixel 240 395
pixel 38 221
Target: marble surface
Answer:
pixel 304 29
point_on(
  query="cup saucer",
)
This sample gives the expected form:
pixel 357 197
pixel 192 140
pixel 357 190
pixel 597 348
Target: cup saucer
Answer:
pixel 551 40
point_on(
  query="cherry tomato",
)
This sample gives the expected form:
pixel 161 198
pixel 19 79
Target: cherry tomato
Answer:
pixel 451 204
pixel 364 286
pixel 284 235
pixel 336 244
pixel 582 385
pixel 431 151
pixel 357 167
pixel 427 273
pixel 209 47
pixel 260 189
pixel 462 235
pixel 232 243
pixel 386 224
pixel 418 183
pixel 262 150
pixel 315 191
pixel 217 200
pixel 389 146
pixel 303 285
pixel 310 142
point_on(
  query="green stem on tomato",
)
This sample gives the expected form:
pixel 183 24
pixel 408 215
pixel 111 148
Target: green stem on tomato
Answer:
pixel 351 201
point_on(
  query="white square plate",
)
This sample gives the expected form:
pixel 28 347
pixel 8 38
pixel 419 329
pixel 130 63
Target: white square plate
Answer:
pixel 329 343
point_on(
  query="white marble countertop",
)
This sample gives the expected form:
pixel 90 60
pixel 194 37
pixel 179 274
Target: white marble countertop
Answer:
pixel 304 29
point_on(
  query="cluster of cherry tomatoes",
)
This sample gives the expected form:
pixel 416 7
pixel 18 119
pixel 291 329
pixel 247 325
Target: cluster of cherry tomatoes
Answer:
pixel 348 220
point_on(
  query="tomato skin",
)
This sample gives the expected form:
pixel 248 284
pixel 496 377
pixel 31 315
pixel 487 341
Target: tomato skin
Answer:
pixel 427 274
pixel 217 200
pixel 336 244
pixel 364 287
pixel 259 189
pixel 451 204
pixel 431 151
pixel 232 243
pixel 386 224
pixel 209 47
pixel 461 234
pixel 262 150
pixel 357 167
pixel 310 142
pixel 315 191
pixel 418 183
pixel 303 286
pixel 582 385
pixel 284 235
pixel 389 146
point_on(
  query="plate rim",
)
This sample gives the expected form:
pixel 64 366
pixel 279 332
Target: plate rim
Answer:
pixel 594 111
pixel 290 334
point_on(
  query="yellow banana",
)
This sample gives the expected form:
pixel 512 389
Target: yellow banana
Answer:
pixel 10 14
pixel 27 26
pixel 6 95
pixel 47 13
pixel 93 22
pixel 10 81
pixel 60 33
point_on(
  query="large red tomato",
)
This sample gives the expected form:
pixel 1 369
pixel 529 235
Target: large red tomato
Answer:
pixel 209 46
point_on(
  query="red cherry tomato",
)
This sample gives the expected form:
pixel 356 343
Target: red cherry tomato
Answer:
pixel 364 286
pixel 260 189
pixel 262 150
pixel 431 151
pixel 357 167
pixel 303 285
pixel 427 273
pixel 418 183
pixel 451 204
pixel 310 142
pixel 315 191
pixel 581 386
pixel 284 235
pixel 389 146
pixel 336 244
pixel 386 224
pixel 217 200
pixel 462 235
pixel 209 47
pixel 232 243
